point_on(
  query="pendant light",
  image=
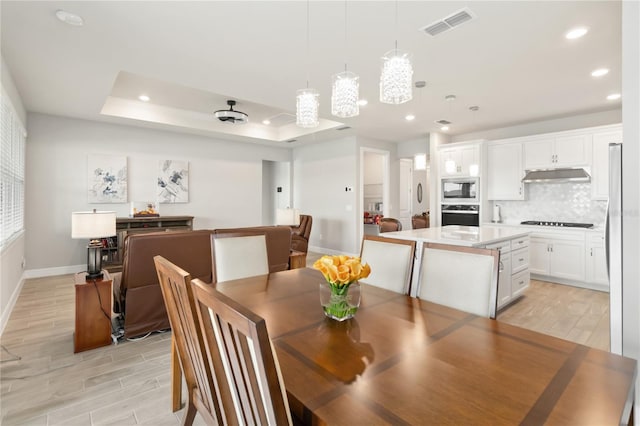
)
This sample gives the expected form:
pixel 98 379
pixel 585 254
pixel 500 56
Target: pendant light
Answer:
pixel 396 74
pixel 307 99
pixel 345 86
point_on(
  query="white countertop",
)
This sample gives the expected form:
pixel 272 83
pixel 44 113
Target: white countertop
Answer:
pixel 469 236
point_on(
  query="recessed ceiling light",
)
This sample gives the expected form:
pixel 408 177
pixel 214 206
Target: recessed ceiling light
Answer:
pixel 144 98
pixel 363 102
pixel 614 96
pixel 576 33
pixel 410 117
pixel 266 122
pixel 69 18
pixel 600 72
pixel 444 128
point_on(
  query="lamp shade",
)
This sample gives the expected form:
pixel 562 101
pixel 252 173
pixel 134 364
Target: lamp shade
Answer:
pixel 289 217
pixel 87 225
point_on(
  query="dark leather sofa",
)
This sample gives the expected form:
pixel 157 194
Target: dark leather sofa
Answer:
pixel 137 292
pixel 300 234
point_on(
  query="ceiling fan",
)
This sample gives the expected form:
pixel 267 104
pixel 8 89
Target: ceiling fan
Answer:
pixel 230 115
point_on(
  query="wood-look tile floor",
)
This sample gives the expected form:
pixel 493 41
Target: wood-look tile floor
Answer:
pixel 129 383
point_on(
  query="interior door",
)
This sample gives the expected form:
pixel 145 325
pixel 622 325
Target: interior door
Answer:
pixel 405 199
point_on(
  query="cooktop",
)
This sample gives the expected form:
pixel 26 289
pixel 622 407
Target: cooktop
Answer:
pixel 562 224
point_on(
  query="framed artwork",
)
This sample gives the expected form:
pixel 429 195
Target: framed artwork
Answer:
pixel 107 180
pixel 173 181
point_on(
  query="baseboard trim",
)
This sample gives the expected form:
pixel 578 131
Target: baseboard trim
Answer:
pixel 581 284
pixel 49 272
pixel 323 250
pixel 6 313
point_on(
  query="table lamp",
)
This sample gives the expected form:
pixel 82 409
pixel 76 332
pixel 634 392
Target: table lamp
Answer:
pixel 290 217
pixel 93 226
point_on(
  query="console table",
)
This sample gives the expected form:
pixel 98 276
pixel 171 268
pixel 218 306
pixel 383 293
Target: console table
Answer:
pixel 132 225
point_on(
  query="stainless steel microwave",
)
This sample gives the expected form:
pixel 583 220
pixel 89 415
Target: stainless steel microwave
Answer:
pixel 460 190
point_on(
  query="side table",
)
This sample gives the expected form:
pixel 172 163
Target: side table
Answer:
pixel 297 259
pixel 93 312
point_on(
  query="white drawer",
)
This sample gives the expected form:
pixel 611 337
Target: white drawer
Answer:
pixel 520 242
pixel 519 282
pixel 502 246
pixel 519 260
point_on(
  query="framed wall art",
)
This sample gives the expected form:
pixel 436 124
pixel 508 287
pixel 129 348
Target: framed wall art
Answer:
pixel 173 181
pixel 107 179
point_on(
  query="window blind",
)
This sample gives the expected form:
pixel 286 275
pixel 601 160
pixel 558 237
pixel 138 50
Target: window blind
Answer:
pixel 12 159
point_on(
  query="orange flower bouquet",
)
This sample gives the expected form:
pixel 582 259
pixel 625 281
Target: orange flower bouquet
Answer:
pixel 341 272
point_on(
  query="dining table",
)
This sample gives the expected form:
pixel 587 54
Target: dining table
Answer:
pixel 405 361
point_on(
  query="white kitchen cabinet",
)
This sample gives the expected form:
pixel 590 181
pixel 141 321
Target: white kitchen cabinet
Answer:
pixel 513 275
pixel 460 161
pixel 600 165
pixel 505 171
pixel 556 152
pixel 559 256
pixel 596 261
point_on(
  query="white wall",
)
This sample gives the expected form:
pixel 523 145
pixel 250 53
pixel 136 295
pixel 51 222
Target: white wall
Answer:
pixel 225 181
pixel 11 272
pixel 321 174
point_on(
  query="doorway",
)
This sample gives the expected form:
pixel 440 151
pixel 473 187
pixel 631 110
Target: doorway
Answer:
pixel 374 184
pixel 276 189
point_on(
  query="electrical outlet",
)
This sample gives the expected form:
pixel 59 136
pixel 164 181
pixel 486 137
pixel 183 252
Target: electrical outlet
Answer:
pixel 23 264
pixel 320 237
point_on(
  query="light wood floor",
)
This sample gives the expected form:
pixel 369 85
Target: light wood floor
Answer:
pixel 43 383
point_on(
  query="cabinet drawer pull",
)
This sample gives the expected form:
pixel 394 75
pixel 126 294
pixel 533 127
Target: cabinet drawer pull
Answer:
pixel 521 259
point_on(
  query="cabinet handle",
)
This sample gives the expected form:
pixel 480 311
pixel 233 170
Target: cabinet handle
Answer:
pixel 520 190
pixel 501 266
pixel 521 282
pixel 521 259
pixel 591 252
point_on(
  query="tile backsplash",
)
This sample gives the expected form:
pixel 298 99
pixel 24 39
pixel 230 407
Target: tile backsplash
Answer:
pixel 562 202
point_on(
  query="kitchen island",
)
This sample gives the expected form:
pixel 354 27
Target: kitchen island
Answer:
pixel 513 244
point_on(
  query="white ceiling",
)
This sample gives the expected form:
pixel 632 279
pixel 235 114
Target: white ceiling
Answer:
pixel 512 61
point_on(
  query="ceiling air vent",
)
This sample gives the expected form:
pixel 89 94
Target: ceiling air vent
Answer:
pixel 282 119
pixel 343 128
pixel 291 140
pixel 443 122
pixel 449 22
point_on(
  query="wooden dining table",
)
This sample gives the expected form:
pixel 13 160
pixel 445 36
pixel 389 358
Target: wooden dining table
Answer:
pixel 402 360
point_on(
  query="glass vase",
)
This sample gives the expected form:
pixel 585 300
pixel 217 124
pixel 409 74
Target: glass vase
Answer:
pixel 340 302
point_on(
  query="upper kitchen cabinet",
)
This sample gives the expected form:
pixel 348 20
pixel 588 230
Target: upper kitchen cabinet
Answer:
pixel 600 167
pixel 504 171
pixel 555 152
pixel 461 160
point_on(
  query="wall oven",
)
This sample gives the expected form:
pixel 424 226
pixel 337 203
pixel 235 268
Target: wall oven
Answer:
pixel 460 190
pixel 461 214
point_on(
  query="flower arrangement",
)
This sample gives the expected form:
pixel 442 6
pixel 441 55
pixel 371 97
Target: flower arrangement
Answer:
pixel 341 273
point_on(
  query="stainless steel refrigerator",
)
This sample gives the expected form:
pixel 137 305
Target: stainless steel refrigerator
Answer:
pixel 613 243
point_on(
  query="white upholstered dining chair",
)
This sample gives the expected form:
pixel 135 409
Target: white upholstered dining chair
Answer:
pixel 238 255
pixel 463 278
pixel 391 261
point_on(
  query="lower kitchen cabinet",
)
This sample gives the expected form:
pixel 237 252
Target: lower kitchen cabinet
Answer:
pixel 560 256
pixel 596 261
pixel 513 275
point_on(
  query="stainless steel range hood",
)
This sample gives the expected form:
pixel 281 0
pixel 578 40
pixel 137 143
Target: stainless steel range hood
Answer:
pixel 557 175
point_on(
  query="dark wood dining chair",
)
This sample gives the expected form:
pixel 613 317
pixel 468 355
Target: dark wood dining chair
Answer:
pixel 391 261
pixel 464 278
pixel 240 353
pixel 187 337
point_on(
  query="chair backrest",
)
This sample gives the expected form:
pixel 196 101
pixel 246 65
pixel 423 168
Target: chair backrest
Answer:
pixel 391 261
pixel 304 228
pixel 420 221
pixel 463 278
pixel 238 255
pixel 245 364
pixel 175 284
pixel 389 224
